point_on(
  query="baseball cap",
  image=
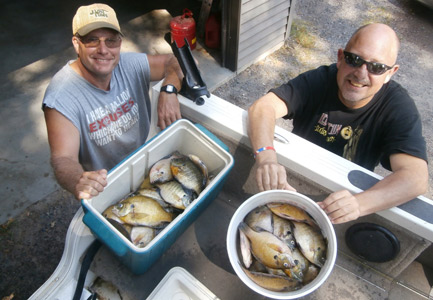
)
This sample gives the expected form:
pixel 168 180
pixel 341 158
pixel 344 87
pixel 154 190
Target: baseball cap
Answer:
pixel 93 17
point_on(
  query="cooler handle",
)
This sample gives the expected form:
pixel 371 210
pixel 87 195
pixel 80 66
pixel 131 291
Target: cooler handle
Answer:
pixel 99 228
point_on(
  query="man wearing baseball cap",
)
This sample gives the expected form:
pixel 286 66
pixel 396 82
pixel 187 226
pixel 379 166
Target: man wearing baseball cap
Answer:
pixel 97 107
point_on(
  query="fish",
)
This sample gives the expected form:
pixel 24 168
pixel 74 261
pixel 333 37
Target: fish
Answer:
pixel 173 193
pixel 279 272
pixel 257 266
pixel 260 219
pixel 123 228
pixel 301 266
pixel 142 211
pixel 188 174
pixel 268 249
pixel 291 212
pixel 153 194
pixel 201 165
pixel 109 214
pixel 245 246
pixel 105 290
pixel 311 242
pixel 282 228
pixel 146 183
pixel 273 282
pixel 141 236
pixel 160 172
pixel 310 274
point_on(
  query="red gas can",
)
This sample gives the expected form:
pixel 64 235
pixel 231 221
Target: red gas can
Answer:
pixel 183 27
pixel 212 32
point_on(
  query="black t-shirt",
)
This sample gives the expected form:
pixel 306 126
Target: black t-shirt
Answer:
pixel 388 124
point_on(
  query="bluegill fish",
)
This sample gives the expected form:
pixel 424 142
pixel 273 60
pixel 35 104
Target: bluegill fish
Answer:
pixel 292 213
pixel 140 210
pixel 279 272
pixel 301 266
pixel 109 214
pixel 282 229
pixel 245 249
pixel 123 228
pixel 310 273
pixel 257 266
pixel 160 172
pixel 260 219
pixel 141 235
pixel 188 174
pixel 146 183
pixel 153 194
pixel 273 282
pixel 268 249
pixel 173 193
pixel 311 243
pixel 201 165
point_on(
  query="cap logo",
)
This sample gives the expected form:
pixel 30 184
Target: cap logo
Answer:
pixel 95 16
pixel 99 13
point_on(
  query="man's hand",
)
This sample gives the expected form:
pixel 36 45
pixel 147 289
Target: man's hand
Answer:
pixel 271 176
pixel 341 207
pixel 91 184
pixel 168 109
pixel 166 66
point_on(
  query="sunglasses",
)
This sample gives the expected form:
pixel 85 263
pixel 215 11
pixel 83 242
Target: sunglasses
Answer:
pixel 93 42
pixel 356 61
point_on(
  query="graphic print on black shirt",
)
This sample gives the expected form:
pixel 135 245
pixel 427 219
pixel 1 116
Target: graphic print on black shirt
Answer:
pixel 331 132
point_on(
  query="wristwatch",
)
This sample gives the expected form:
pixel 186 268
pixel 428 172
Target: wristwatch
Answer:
pixel 169 89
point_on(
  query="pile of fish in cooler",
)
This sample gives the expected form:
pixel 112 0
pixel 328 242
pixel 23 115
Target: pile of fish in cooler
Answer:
pixel 282 247
pixel 172 184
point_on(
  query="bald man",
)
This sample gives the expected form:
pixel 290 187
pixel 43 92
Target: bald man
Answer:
pixel 353 109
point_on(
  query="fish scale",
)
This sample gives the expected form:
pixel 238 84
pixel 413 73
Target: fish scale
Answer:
pixel 188 174
pixel 268 249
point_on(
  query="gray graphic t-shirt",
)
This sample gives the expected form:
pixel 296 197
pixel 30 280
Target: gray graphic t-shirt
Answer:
pixel 113 123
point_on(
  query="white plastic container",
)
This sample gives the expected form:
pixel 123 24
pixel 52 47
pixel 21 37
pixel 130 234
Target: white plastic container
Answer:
pixel 126 177
pixel 300 201
pixel 179 284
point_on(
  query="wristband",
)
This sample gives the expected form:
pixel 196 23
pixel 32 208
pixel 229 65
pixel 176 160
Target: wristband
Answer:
pixel 263 149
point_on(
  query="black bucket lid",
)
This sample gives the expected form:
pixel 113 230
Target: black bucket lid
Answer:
pixel 372 242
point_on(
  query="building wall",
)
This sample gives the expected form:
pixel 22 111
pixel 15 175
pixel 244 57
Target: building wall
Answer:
pixel 263 25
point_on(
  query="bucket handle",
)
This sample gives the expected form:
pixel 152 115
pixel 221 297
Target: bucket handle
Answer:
pixel 187 13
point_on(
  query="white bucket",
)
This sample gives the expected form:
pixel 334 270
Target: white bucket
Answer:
pixel 302 202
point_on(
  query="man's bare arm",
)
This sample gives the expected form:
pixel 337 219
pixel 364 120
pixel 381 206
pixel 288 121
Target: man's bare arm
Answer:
pixel 167 67
pixel 64 142
pixel 261 126
pixel 408 180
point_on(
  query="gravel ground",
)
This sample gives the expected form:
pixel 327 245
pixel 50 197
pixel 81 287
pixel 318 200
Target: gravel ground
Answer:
pixel 320 28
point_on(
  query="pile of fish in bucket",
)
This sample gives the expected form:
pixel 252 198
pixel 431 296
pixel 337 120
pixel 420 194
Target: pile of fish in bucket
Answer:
pixel 172 184
pixel 282 247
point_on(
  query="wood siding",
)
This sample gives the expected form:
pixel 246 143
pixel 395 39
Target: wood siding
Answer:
pixel 262 29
